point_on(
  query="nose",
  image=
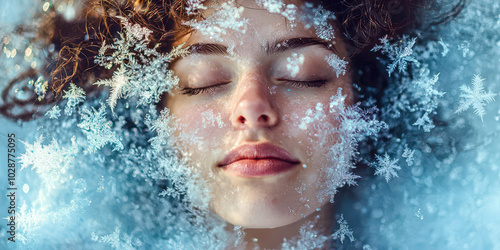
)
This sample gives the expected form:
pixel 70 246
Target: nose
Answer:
pixel 253 108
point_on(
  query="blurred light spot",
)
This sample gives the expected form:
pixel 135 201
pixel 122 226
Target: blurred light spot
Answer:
pixel 28 51
pixel 46 6
pixel 26 188
pixel 13 54
pixel 33 65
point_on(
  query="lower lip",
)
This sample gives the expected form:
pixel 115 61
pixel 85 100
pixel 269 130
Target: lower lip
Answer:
pixel 258 167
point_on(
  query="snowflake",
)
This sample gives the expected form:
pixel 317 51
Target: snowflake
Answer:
pixel 343 231
pixel 277 6
pixel 294 63
pixel 74 95
pixel 40 87
pixel 475 97
pixel 139 67
pixel 320 19
pixel 98 129
pixel 114 241
pixel 399 53
pixel 225 16
pixel 54 112
pixel 425 122
pixel 339 65
pixel 408 154
pixel 193 7
pixel 50 161
pixel 387 167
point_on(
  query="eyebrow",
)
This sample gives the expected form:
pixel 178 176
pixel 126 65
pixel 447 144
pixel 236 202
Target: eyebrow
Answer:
pixel 277 46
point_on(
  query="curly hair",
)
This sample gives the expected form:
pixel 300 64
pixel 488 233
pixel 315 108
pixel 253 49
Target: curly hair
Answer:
pixel 78 41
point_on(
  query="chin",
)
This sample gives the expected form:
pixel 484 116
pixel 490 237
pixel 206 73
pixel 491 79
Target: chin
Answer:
pixel 262 215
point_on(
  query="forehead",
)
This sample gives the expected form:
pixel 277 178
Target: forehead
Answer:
pixel 260 26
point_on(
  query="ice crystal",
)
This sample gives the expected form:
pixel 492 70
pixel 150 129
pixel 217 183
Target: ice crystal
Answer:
pixel 75 95
pixel 425 122
pixel 445 47
pixel 54 112
pixel 309 238
pixel 339 65
pixel 343 231
pixel 142 72
pixel 40 87
pixel 277 6
pixel 98 129
pixel 408 154
pixel 317 114
pixel 320 19
pixel 194 7
pixel 50 161
pixel 115 241
pixel 294 63
pixel 225 16
pixel 386 167
pixel 399 53
pixel 208 118
pixel 475 97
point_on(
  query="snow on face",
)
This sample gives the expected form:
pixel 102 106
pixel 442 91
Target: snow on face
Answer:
pixel 250 96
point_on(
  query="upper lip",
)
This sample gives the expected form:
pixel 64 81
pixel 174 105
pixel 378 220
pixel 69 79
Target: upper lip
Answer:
pixel 257 151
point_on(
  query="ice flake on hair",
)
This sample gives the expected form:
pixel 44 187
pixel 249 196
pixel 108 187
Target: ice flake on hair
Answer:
pixel 399 52
pixel 294 63
pixel 98 129
pixel 41 87
pixel 339 65
pixel 320 19
pixel 139 67
pixel 225 16
pixel 476 97
pixel 386 167
pixel 194 7
pixel 343 231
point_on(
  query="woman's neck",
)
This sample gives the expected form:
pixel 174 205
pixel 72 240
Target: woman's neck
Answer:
pixel 273 238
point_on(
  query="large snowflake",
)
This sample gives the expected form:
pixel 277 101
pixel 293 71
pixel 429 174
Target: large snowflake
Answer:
pixel 386 167
pixel 475 97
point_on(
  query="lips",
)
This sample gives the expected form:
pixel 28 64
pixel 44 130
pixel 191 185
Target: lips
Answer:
pixel 254 160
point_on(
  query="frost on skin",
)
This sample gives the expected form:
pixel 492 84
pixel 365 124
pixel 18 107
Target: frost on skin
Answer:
pixel 343 231
pixel 386 167
pixel 294 63
pixel 353 125
pixel 339 65
pixel 98 129
pixel 225 16
pixel 139 67
pixel 320 19
pixel 277 6
pixel 54 112
pixel 309 237
pixel 50 161
pixel 74 95
pixel 41 87
pixel 399 52
pixel 475 97
pixel 210 119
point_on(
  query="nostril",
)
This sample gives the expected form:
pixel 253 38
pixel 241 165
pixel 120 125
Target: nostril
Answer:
pixel 264 118
pixel 241 119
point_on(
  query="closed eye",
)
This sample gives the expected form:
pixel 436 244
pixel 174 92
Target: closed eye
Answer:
pixel 309 84
pixel 196 91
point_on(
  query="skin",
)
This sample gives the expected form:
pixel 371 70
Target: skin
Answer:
pixel 255 104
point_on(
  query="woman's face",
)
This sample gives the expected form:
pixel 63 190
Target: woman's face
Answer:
pixel 240 107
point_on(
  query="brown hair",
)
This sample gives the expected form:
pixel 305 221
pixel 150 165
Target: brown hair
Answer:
pixel 78 41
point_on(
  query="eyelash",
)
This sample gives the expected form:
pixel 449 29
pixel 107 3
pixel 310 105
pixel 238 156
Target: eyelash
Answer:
pixel 197 91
